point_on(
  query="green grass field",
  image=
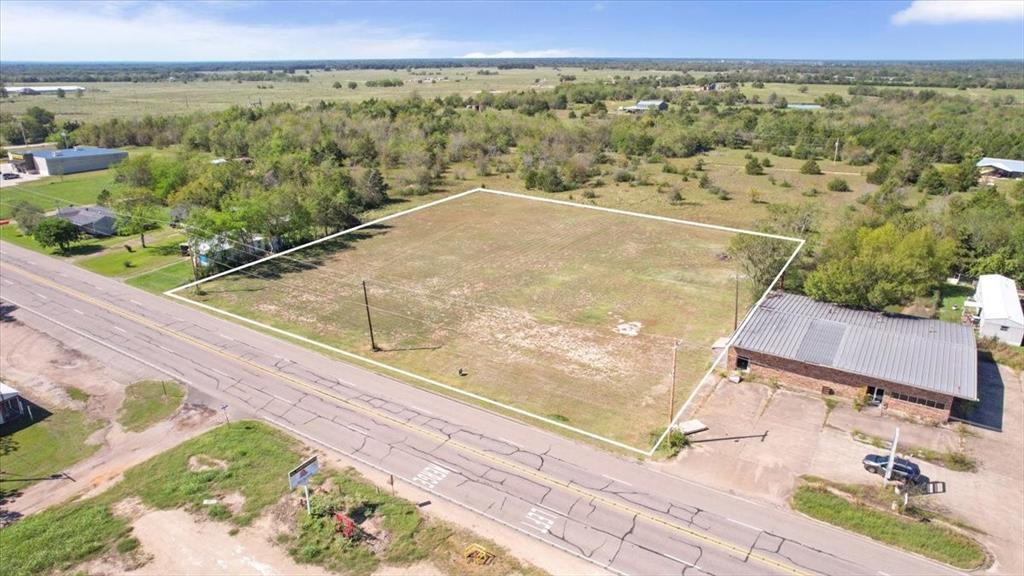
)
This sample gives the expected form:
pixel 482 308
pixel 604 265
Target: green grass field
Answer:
pixel 103 100
pixel 161 251
pixel 45 448
pixel 50 193
pixel 931 540
pixel 565 312
pixel 148 402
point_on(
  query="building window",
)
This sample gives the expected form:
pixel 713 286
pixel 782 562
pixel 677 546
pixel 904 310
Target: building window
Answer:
pixel 1004 328
pixel 743 363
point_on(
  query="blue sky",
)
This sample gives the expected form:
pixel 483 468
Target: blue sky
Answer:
pixel 242 30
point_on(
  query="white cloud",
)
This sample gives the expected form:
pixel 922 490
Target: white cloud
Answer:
pixel 551 53
pixel 161 32
pixel 951 11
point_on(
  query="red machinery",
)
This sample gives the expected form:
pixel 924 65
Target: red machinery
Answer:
pixel 345 525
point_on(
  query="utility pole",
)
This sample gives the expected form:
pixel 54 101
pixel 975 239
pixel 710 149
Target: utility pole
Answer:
pixel 736 305
pixel 892 455
pixel 835 158
pixel 369 321
pixel 672 388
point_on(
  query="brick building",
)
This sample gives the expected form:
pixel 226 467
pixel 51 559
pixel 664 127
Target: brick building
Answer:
pixel 912 366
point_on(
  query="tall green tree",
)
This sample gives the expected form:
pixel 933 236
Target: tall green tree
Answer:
pixel 877 267
pixel 761 258
pixel 56 232
pixel 137 213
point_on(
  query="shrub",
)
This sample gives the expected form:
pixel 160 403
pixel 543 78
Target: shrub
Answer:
pixel 838 185
pixel 810 167
pixel 754 167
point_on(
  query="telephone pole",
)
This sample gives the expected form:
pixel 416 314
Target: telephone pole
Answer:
pixel 672 388
pixel 369 321
pixel 736 305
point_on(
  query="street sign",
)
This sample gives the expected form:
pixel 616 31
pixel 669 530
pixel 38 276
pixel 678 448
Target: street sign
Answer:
pixel 301 474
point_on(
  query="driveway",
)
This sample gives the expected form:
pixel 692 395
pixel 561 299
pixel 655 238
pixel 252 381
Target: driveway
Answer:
pixel 800 440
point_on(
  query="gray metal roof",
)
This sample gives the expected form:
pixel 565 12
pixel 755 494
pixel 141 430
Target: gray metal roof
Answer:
pixel 928 354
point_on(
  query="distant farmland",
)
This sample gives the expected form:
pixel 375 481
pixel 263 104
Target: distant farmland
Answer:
pixel 568 313
pixel 103 100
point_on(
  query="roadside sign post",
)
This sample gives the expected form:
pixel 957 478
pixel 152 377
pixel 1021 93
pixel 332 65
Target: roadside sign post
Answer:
pixel 892 455
pixel 300 476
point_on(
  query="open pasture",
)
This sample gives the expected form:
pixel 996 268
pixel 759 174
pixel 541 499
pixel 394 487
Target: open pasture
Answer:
pixel 567 313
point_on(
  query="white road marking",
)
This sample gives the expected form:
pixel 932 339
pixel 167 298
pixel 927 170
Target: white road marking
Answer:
pixel 883 573
pixel 225 336
pixel 357 429
pixel 79 312
pixel 136 302
pixel 8 282
pixel 614 479
pixel 119 329
pixel 745 525
pixel 430 477
pixel 680 560
pixel 539 521
pixel 41 296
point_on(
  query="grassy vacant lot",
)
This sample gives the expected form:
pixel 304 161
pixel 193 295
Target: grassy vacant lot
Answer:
pixel 565 312
pixel 163 279
pixel 51 193
pixel 45 448
pixel 928 539
pixel 252 459
pixel 148 402
pixel 127 99
pixel 161 250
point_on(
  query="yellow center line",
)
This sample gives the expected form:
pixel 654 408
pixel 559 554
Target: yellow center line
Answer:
pixel 739 551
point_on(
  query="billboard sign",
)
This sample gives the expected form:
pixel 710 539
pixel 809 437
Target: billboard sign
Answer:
pixel 301 474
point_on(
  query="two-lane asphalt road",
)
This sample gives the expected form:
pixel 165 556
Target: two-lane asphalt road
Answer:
pixel 620 514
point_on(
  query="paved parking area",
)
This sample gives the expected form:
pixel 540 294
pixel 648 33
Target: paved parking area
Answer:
pixel 803 437
pixel 7 168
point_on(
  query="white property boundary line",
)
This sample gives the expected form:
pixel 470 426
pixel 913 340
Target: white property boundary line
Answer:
pixel 173 293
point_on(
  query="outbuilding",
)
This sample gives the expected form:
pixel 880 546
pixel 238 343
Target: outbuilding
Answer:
pixel 11 404
pixel 915 367
pixel 72 160
pixel 645 105
pixel 997 307
pixel 1001 168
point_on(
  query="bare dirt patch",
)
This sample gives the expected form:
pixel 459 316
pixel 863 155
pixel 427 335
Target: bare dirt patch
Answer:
pixel 202 463
pixel 180 544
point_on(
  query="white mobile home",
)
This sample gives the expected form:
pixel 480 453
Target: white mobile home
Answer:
pixel 999 313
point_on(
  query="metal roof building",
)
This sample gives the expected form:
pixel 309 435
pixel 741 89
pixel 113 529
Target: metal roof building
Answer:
pixel 999 313
pixel 92 220
pixel 74 160
pixel 866 347
pixel 1003 165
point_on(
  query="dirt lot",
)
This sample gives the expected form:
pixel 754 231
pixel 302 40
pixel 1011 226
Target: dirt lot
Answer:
pixel 565 312
pixel 804 438
pixel 47 373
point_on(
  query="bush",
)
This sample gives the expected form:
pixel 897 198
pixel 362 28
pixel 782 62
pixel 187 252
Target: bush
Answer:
pixel 838 185
pixel 810 167
pixel 754 167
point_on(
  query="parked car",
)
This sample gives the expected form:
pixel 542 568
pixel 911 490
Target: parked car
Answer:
pixel 902 470
pixel 11 176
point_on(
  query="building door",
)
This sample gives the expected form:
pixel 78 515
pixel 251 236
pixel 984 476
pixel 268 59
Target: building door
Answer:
pixel 875 395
